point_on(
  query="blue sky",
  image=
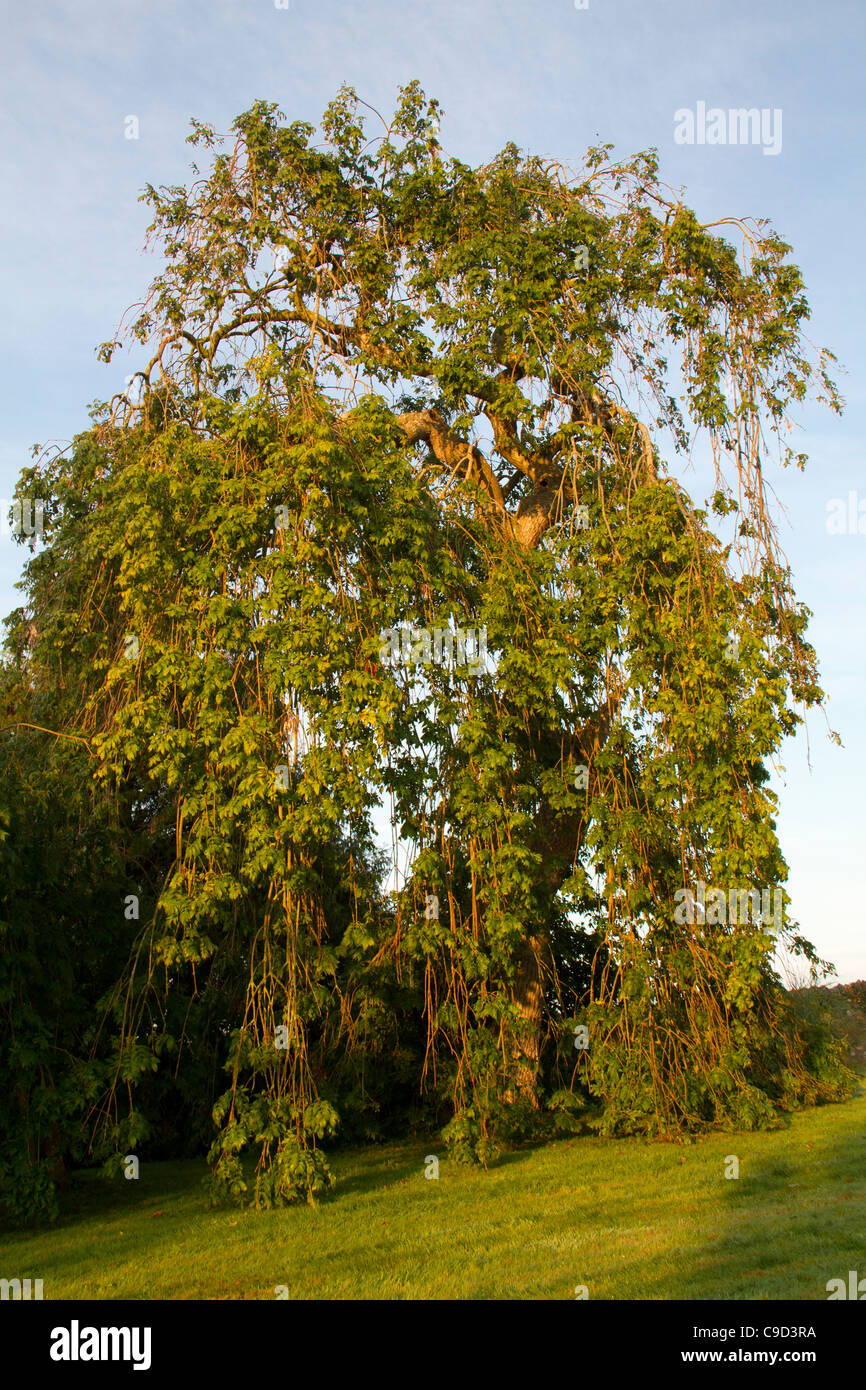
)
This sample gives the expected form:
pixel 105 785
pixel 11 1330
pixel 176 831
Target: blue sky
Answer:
pixel 552 78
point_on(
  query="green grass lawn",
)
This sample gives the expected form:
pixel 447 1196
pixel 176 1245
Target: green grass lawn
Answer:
pixel 627 1219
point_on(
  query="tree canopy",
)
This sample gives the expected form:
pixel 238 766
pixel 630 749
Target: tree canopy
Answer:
pixel 391 400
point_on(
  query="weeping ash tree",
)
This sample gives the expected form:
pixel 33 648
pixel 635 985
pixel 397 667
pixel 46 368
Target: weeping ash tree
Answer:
pixel 383 531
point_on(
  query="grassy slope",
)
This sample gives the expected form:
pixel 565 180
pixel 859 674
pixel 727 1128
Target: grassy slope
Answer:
pixel 627 1219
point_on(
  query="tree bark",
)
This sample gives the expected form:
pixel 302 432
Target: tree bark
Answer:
pixel 528 995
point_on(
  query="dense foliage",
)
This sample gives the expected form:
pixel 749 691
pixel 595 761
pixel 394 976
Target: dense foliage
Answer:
pixel 391 394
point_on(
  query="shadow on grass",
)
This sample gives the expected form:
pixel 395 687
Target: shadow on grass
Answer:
pixel 89 1193
pixel 374 1170
pixel 791 1221
pixel 796 1216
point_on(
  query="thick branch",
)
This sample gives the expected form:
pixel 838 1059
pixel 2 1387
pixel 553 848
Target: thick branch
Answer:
pixel 450 449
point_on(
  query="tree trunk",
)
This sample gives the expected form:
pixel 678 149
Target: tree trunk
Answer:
pixel 528 995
